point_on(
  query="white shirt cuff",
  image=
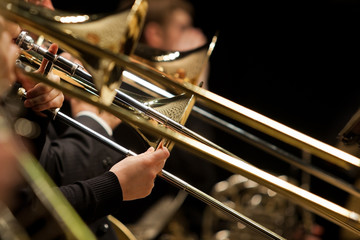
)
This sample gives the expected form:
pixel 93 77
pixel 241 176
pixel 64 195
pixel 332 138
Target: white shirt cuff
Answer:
pixel 98 119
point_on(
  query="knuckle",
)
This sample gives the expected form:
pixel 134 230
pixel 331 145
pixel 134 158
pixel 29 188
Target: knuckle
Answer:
pixel 43 98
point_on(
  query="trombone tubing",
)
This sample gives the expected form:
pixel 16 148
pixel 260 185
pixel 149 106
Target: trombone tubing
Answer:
pixel 52 30
pixel 331 211
pixel 171 178
pixel 252 139
pixel 125 99
pixel 83 78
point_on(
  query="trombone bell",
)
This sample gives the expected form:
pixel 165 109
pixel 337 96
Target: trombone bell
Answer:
pixel 120 36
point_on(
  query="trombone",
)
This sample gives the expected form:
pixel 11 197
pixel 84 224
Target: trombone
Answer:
pixel 25 42
pixel 167 176
pixel 81 48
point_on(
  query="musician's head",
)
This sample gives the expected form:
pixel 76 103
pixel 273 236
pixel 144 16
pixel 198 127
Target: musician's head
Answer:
pixel 169 26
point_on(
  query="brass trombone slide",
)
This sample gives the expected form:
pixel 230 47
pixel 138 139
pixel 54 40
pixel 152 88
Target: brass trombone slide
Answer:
pixel 323 207
pixel 36 23
pixel 167 122
pixel 70 68
pixel 181 184
pixel 251 139
pixel 333 212
pixel 25 42
pixel 85 80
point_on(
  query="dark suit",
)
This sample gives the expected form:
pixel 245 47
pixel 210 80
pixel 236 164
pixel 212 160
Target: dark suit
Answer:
pixel 77 163
pixel 73 157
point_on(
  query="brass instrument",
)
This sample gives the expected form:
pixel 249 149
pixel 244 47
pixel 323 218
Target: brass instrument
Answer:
pixel 158 58
pixel 82 48
pixel 157 108
pixel 165 175
pixel 257 202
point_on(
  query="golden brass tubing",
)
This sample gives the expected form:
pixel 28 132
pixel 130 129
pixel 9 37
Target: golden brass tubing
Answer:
pixel 333 212
pixel 253 140
pixel 229 108
pixel 52 30
pixel 85 81
pixel 164 174
pixel 257 121
pixel 167 176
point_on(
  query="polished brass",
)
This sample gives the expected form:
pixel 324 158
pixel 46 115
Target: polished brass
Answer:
pixel 107 32
pixel 170 111
pixel 177 108
pixel 163 174
pixel 122 232
pixel 174 109
pixel 55 31
pixel 335 213
pixel 246 136
pixel 181 65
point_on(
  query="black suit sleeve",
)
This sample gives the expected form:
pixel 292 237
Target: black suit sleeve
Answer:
pixel 95 197
pixel 79 164
pixel 75 156
pixel 74 161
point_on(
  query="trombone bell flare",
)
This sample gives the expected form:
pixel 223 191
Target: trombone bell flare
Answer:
pixel 116 33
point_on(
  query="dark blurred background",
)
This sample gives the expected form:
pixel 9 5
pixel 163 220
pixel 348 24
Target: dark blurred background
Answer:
pixel 296 62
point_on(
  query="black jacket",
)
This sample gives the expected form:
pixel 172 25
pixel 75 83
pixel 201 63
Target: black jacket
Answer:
pixel 77 163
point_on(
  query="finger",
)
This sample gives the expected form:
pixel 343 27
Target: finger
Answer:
pixel 161 153
pixel 2 23
pixel 161 144
pixel 164 150
pixel 150 150
pixel 42 67
pixel 42 88
pixel 52 49
pixel 52 104
pixel 52 99
pixel 38 90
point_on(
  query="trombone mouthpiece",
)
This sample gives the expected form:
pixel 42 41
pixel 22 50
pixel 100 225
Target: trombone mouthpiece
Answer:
pixel 24 41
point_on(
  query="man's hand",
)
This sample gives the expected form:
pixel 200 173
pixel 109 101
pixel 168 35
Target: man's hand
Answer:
pixel 40 96
pixel 136 174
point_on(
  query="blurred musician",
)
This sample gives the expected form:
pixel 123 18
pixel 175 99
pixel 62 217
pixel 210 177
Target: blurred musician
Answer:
pixel 9 175
pixel 169 26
